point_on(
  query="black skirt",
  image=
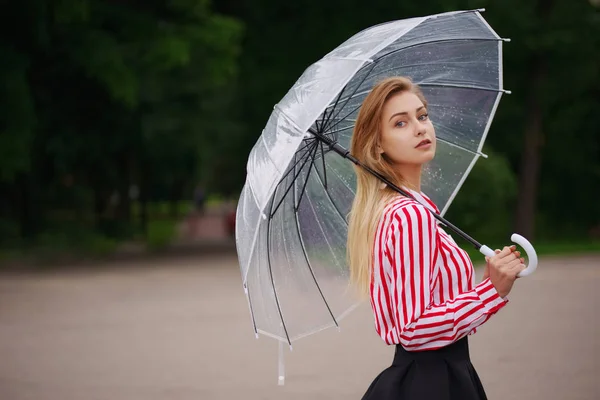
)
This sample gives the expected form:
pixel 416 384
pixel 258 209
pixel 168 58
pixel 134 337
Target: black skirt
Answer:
pixel 444 374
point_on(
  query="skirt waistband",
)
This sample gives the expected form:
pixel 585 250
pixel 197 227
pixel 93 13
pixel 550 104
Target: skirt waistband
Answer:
pixel 458 350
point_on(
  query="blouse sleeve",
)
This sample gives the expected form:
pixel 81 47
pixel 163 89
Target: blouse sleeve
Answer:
pixel 413 243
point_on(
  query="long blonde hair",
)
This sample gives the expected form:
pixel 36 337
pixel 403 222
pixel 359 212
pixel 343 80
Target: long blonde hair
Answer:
pixel 371 197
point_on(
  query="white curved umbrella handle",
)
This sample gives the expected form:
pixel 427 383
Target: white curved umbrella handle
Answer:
pixel 524 243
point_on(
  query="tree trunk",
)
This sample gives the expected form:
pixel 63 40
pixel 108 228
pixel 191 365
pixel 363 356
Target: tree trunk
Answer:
pixel 26 222
pixel 534 140
pixel 143 212
pixel 174 198
pixel 531 157
pixel 99 206
pixel 124 206
pixel 143 199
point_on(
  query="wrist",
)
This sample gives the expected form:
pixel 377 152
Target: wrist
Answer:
pixel 489 296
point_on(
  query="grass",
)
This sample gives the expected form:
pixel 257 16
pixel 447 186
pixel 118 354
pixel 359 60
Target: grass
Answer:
pixel 66 243
pixel 75 237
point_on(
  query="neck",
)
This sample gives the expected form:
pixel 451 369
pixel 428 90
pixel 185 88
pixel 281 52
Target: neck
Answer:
pixel 411 175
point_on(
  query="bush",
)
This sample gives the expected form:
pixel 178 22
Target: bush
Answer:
pixel 160 233
pixel 484 206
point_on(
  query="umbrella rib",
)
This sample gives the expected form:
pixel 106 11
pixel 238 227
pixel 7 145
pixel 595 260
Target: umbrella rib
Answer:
pixel 308 142
pixel 445 85
pixel 324 167
pixel 461 147
pixel 330 199
pixel 304 156
pixel 325 119
pixel 322 230
pixel 271 276
pixel 437 41
pixel 302 244
pixel 312 162
pixel 341 129
pixel 247 287
pixel 423 85
pixel 292 184
pixel 310 268
pixel 344 118
pixel 426 43
pixel 370 65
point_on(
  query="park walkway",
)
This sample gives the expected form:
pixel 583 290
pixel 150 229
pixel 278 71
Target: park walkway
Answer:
pixel 179 329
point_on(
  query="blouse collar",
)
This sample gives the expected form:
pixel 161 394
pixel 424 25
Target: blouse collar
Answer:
pixel 423 199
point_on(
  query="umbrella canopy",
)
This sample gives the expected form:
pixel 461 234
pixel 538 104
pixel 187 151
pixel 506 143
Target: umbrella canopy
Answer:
pixel 291 224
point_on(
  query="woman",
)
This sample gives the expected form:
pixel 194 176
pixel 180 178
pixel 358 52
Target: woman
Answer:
pixel 421 284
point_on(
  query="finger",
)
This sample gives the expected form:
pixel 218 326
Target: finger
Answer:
pixel 515 267
pixel 506 255
pixel 516 263
pixel 518 269
pixel 521 268
pixel 510 265
pixel 503 253
pixel 517 260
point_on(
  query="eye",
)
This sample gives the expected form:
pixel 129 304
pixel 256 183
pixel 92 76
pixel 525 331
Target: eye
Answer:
pixel 400 124
pixel 423 117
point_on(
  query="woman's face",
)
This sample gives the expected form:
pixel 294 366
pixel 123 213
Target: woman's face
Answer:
pixel 407 134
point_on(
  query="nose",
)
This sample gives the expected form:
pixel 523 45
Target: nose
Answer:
pixel 420 130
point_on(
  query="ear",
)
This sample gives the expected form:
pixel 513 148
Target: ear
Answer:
pixel 379 149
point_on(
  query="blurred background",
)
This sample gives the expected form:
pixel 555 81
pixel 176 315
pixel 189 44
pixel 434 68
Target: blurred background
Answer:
pixel 125 128
pixel 120 119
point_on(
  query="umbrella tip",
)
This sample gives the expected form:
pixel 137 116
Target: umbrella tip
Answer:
pixel 506 39
pixel 507 91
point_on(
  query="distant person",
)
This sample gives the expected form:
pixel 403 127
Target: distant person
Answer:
pixel 194 220
pixel 199 200
pixel 230 215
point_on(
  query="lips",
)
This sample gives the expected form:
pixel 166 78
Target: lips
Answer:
pixel 423 142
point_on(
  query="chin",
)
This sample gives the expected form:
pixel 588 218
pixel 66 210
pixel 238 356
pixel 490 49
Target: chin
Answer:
pixel 427 157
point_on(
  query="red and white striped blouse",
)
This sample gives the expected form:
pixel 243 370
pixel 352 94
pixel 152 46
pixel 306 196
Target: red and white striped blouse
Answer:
pixel 423 290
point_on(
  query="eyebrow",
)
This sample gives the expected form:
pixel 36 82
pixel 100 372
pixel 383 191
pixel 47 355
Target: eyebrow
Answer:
pixel 405 113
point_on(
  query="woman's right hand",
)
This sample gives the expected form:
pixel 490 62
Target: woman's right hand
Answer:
pixel 503 269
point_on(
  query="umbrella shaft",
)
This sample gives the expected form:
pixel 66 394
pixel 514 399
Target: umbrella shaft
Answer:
pixel 334 146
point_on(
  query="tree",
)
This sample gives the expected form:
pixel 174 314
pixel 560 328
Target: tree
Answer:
pixel 548 65
pixel 95 89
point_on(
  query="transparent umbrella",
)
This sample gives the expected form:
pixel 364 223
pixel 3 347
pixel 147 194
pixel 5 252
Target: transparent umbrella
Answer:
pixel 291 223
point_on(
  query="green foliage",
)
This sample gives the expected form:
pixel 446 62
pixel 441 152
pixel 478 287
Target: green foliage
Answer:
pixel 160 234
pixel 17 115
pixel 101 99
pixel 108 107
pixel 284 38
pixel 489 192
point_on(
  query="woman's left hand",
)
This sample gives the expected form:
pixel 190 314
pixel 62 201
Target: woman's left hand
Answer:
pixel 486 271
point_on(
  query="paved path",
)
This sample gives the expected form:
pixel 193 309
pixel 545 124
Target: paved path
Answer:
pixel 180 330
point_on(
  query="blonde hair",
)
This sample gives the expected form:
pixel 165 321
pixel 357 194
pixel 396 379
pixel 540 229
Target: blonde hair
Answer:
pixel 371 195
